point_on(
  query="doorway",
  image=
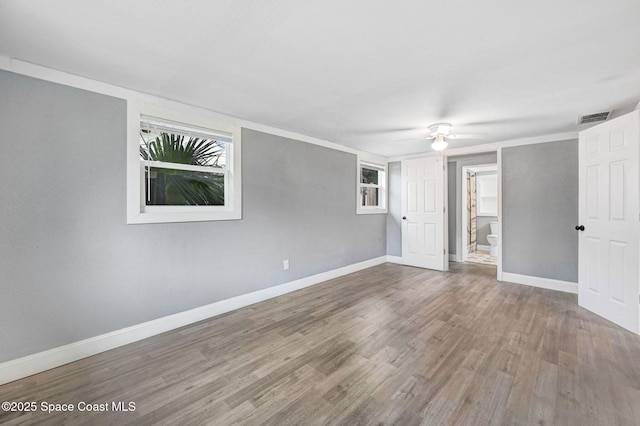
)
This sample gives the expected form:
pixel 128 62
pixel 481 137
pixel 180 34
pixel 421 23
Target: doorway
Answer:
pixel 479 211
pixel 458 243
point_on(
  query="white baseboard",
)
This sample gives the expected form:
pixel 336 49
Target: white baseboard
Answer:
pixel 566 286
pixel 453 258
pixel 46 360
pixel 481 247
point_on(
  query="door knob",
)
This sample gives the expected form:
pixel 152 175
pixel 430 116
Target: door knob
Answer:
pixel 404 218
pixel 579 227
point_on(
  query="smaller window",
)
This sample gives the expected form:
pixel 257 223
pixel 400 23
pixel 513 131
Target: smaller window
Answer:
pixel 372 194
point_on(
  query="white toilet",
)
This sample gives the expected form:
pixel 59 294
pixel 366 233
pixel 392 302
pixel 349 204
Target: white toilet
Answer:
pixel 493 239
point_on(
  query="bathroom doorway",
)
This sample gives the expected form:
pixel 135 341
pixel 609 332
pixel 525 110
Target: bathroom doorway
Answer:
pixel 479 210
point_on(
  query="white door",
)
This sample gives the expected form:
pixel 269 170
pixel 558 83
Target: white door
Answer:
pixel 609 212
pixel 423 213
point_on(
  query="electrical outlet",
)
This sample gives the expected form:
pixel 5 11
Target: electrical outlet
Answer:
pixel 285 264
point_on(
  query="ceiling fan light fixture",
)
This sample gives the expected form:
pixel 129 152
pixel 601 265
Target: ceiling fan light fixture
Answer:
pixel 439 143
pixel 440 129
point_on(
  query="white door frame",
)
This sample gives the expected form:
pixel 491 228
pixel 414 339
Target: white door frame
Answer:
pixel 478 149
pixel 463 207
pixel 462 255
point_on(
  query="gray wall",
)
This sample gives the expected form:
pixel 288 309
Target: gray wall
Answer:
pixel 394 218
pixel 540 210
pixel 455 165
pixel 71 268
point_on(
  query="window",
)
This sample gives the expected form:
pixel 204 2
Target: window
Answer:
pixel 372 179
pixel 183 166
pixel 186 171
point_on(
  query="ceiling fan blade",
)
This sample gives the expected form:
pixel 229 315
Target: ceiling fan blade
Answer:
pixel 467 136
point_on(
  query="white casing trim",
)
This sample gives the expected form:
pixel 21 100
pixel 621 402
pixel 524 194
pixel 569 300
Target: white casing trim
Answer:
pixel 79 82
pixel 548 283
pixel 308 139
pixel 61 77
pixel 540 139
pixel 46 360
pixel 476 149
pixel 412 156
pixel 499 274
pixel 473 149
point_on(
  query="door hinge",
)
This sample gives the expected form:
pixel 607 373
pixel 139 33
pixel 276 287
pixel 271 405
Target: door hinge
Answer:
pixel 444 251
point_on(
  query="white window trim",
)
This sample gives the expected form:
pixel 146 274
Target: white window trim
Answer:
pixel 137 211
pixel 383 185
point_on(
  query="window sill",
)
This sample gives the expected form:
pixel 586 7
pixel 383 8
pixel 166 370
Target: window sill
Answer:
pixel 173 217
pixel 371 211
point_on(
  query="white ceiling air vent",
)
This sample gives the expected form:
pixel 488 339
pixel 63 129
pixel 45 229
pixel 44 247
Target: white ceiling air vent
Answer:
pixel 595 117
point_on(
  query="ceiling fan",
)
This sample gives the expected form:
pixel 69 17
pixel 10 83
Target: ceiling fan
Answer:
pixel 440 132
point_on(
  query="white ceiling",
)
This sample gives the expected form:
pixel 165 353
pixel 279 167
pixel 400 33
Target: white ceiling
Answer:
pixel 360 73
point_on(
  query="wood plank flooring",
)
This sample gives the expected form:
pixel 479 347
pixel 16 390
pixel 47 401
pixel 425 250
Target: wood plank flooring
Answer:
pixel 387 345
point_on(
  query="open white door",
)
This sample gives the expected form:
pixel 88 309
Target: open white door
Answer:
pixel 423 213
pixel 609 209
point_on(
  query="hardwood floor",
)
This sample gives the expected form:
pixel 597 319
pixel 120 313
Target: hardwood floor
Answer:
pixel 387 345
